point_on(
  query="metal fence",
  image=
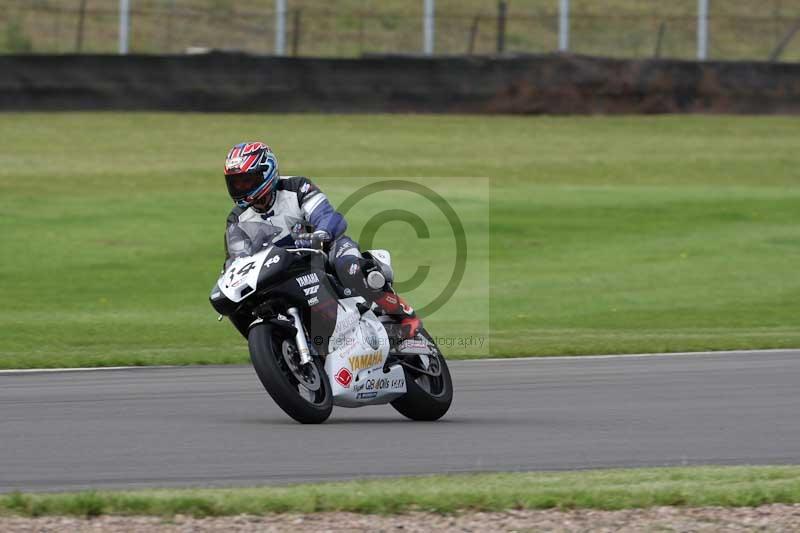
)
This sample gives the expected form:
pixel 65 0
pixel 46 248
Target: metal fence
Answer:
pixel 727 29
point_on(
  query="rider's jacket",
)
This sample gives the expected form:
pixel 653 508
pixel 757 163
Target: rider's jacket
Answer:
pixel 296 200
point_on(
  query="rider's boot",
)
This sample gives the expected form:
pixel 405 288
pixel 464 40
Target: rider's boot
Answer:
pixel 395 306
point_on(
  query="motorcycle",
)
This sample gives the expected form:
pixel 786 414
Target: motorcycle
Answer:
pixel 314 344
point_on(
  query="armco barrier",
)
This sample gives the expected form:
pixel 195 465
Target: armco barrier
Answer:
pixel 559 84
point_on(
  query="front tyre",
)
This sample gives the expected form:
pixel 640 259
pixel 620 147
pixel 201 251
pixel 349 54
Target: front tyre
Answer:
pixel 304 393
pixel 428 397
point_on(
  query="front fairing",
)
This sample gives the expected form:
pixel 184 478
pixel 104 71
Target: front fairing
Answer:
pixel 246 274
pixel 276 275
pixel 252 260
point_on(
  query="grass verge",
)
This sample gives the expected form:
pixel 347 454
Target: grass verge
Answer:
pixel 586 234
pixel 599 489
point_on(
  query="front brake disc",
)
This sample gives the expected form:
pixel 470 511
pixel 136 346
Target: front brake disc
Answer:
pixel 306 375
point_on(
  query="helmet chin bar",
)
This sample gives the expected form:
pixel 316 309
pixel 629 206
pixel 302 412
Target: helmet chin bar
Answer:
pixel 264 201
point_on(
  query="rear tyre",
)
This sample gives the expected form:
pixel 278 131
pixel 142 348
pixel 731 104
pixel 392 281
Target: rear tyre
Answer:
pixel 304 393
pixel 428 397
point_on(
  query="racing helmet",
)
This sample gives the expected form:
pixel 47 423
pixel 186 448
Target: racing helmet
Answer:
pixel 251 172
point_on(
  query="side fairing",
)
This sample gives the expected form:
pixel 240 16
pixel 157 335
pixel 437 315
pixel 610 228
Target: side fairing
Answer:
pixel 359 348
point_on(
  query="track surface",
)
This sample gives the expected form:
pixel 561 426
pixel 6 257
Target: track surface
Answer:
pixel 216 426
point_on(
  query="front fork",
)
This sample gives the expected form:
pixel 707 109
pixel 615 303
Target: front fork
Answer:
pixel 300 337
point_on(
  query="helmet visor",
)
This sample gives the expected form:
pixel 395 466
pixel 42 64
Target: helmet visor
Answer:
pixel 240 185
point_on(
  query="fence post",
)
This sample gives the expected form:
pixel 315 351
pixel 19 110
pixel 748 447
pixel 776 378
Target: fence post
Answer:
pixel 428 24
pixel 79 32
pixel 563 26
pixel 280 27
pixel 702 30
pixel 502 9
pixel 296 31
pixel 660 39
pixel 473 34
pixel 59 12
pixel 361 33
pixel 124 25
pixel 169 27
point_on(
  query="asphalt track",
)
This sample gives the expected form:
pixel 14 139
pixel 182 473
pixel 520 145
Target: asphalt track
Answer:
pixel 215 426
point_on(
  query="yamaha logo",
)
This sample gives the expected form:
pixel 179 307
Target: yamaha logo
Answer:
pixel 307 280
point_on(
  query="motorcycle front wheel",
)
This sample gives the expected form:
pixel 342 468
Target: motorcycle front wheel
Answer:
pixel 303 392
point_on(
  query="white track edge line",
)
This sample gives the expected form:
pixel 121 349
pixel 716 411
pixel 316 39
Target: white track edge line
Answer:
pixel 632 355
pixel 490 360
pixel 87 369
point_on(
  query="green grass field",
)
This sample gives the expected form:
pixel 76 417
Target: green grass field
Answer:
pixel 600 489
pixel 590 235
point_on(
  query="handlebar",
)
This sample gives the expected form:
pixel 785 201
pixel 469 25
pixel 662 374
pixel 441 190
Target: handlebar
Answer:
pixel 313 250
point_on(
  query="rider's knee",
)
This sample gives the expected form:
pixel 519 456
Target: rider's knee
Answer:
pixel 348 267
pixel 352 272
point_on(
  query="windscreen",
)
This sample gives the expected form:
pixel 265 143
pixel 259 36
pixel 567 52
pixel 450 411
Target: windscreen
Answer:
pixel 248 238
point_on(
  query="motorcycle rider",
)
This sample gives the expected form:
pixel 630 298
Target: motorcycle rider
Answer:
pixel 260 194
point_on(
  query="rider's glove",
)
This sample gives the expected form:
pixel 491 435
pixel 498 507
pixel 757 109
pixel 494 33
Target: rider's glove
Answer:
pixel 312 240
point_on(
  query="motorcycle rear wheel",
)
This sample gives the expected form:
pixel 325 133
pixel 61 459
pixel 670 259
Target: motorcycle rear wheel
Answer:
pixel 427 398
pixel 303 393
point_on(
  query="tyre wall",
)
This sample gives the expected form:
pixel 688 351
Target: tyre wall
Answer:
pixel 553 84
